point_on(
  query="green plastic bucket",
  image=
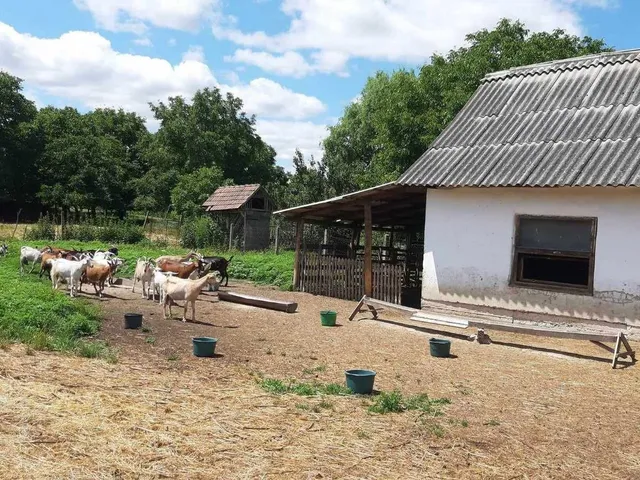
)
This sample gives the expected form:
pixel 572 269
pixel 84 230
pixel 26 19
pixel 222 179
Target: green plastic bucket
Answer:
pixel 204 346
pixel 328 318
pixel 360 381
pixel 439 347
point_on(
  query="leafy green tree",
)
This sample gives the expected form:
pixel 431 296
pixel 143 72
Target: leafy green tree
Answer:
pixel 20 143
pixel 194 188
pixel 400 114
pixel 211 131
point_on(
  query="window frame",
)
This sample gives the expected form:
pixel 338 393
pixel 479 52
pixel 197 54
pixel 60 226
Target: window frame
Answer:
pixel 517 265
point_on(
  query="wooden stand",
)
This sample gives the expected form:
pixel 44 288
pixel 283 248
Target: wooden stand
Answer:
pixel 289 307
pixel 374 306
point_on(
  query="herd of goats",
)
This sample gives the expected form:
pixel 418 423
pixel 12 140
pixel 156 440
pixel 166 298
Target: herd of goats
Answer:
pixel 170 277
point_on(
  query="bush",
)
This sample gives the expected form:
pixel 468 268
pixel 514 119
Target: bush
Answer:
pixel 107 232
pixel 43 230
pixel 202 232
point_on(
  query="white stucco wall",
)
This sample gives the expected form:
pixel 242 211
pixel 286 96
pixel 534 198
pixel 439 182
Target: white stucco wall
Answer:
pixel 469 243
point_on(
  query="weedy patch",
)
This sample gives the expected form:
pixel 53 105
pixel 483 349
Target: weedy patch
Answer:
pixel 395 402
pixel 303 389
pixel 314 370
pixel 150 340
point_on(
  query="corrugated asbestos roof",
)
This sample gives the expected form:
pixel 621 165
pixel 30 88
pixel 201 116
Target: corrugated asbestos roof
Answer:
pixel 230 198
pixel 573 122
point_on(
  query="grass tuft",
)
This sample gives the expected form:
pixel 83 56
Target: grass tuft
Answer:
pixel 395 402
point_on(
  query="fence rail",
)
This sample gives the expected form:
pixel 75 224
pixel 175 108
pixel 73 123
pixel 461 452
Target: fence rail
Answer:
pixel 344 278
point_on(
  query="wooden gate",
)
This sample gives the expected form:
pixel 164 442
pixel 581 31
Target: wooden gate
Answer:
pixel 344 278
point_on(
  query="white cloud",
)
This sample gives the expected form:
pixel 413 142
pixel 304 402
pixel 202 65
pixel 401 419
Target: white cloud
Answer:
pixel 143 41
pixel 194 54
pixel 137 16
pixel 286 136
pixel 392 30
pixel 276 101
pixel 291 64
pixel 82 68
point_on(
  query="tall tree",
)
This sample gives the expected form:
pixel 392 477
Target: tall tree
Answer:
pixel 400 114
pixel 19 143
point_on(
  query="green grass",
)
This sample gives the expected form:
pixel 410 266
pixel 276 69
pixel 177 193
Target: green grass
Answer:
pixel 261 268
pixel 33 313
pixel 311 371
pixel 304 389
pixel 395 402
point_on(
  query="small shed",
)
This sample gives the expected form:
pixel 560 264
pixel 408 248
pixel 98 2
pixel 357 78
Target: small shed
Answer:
pixel 247 211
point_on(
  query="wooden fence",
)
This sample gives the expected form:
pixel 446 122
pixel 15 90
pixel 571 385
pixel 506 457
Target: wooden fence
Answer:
pixel 344 278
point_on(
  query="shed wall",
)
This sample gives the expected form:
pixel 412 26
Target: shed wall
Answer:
pixel 258 229
pixel 469 236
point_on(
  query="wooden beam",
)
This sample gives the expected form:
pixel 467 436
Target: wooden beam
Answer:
pixel 289 307
pixel 368 241
pixel 298 256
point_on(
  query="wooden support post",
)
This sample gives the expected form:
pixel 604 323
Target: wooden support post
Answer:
pixel 368 240
pixel 230 234
pixel 244 232
pixel 277 246
pixel 298 257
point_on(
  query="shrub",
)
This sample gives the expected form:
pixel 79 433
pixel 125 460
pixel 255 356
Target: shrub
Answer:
pixel 104 231
pixel 43 230
pixel 202 232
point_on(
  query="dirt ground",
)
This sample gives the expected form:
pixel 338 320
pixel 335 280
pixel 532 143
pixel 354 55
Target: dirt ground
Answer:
pixel 523 407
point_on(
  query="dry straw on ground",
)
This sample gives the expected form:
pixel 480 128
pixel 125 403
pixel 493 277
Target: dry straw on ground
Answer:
pixel 161 413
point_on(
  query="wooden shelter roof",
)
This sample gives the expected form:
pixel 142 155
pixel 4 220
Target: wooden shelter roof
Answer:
pixel 230 198
pixel 391 205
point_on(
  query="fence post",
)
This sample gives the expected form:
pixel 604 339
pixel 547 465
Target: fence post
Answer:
pixel 17 221
pixel 277 238
pixel 230 235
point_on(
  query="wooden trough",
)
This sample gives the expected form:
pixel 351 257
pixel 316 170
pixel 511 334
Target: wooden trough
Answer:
pixel 282 306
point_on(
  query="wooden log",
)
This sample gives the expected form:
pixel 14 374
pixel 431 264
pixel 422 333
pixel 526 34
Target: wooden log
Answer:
pixel 282 306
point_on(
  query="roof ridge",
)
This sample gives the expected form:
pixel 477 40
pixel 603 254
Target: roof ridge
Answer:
pixel 539 68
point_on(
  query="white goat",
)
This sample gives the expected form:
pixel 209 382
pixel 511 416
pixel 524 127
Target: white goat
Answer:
pixel 99 255
pixel 158 282
pixel 4 249
pixel 69 271
pixel 187 290
pixel 29 254
pixel 144 274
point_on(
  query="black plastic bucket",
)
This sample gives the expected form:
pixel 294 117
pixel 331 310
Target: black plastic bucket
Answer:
pixel 132 320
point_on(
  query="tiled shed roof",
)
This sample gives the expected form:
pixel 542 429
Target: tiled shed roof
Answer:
pixel 573 122
pixel 230 198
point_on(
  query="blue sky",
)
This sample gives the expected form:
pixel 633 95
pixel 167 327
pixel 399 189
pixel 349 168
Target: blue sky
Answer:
pixel 295 63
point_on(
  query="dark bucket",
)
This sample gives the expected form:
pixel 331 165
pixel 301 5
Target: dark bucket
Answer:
pixel 328 318
pixel 360 381
pixel 132 320
pixel 204 346
pixel 439 347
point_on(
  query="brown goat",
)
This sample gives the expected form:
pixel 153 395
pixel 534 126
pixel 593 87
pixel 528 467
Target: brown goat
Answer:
pixel 96 275
pixel 45 264
pixel 182 270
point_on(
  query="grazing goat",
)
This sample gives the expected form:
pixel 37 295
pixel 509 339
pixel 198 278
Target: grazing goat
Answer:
pixel 96 274
pixel 30 255
pixel 187 290
pixel 144 274
pixel 182 270
pixel 69 271
pixel 4 249
pixel 220 264
pixel 177 258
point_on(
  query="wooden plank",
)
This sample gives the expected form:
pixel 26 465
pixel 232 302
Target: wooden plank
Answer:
pixel 297 259
pixel 368 240
pixel 615 351
pixel 357 309
pixel 381 303
pixel 289 307
pixel 545 332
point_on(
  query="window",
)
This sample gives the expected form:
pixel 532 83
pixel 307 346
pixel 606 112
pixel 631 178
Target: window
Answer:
pixel 554 253
pixel 257 203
